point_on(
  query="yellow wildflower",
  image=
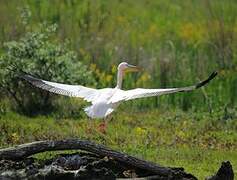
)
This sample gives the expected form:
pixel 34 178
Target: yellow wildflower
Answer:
pixel 15 137
pixel 191 32
pixel 140 131
pixel 93 67
pixel 120 19
pixel 144 78
pixel 114 69
pixel 109 78
pixel 153 29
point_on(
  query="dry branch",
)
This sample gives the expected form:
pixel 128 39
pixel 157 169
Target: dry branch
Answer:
pixel 25 150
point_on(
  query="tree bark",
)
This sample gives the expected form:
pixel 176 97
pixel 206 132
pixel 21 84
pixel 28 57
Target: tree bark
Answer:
pixel 22 151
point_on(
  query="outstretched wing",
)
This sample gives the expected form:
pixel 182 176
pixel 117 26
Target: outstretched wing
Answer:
pixel 88 94
pixel 140 93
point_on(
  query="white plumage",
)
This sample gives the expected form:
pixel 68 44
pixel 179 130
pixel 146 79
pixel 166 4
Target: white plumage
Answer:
pixel 104 101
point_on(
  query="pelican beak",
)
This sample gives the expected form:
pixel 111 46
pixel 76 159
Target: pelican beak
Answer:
pixel 132 68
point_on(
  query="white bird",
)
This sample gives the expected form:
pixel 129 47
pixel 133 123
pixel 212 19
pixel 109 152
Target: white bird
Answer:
pixel 105 101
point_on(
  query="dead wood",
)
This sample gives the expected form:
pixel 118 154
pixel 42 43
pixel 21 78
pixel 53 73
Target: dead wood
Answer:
pixel 25 150
pixel 224 173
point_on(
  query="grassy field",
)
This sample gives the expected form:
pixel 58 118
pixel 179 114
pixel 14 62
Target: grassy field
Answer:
pixel 177 43
pixel 199 142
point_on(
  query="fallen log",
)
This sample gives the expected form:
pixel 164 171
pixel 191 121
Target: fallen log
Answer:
pixel 25 150
pixel 224 173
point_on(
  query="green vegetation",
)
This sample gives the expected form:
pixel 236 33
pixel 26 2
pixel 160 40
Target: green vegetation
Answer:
pixel 198 142
pixel 35 54
pixel 176 42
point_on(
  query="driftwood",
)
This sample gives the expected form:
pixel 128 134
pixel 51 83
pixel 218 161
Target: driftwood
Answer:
pixel 20 152
pixel 224 173
pixel 101 162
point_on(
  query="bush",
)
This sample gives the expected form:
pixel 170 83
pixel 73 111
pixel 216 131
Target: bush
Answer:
pixel 37 54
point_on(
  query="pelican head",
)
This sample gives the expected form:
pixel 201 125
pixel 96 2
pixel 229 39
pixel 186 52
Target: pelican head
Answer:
pixel 125 67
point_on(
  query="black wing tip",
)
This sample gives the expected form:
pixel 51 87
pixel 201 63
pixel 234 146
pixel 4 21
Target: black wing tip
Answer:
pixel 28 77
pixel 24 76
pixel 212 76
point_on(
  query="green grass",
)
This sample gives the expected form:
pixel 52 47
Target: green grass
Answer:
pixel 177 43
pixel 199 142
pixel 200 162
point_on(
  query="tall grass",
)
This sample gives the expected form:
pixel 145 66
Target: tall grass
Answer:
pixel 177 42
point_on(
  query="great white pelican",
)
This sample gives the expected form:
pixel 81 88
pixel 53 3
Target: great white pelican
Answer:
pixel 105 101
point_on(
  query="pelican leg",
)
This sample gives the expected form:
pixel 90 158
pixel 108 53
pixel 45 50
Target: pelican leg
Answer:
pixel 103 126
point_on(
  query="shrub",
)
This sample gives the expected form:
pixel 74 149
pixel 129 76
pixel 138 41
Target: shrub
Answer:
pixel 37 54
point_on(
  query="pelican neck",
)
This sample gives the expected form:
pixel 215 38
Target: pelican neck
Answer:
pixel 119 79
